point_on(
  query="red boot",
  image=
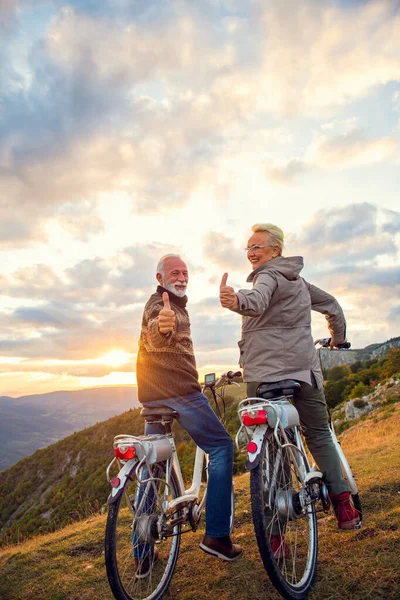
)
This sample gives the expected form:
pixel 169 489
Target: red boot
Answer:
pixel 347 516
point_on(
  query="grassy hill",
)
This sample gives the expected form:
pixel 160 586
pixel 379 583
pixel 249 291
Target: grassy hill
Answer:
pixel 69 564
pixel 66 481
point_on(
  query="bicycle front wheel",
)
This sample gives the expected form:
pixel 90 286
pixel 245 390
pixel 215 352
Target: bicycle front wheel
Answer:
pixel 286 538
pixel 139 564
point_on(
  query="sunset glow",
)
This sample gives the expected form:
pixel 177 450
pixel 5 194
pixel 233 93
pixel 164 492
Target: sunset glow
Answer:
pixel 115 358
pixel 135 129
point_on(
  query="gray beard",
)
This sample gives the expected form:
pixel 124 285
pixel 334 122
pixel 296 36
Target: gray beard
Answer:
pixel 171 288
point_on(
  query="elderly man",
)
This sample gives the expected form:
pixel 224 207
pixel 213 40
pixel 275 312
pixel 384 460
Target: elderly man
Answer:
pixel 166 375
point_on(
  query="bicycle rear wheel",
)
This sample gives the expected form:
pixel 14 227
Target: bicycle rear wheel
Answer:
pixel 131 531
pixel 287 540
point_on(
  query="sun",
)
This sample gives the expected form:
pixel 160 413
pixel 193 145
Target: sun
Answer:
pixel 115 358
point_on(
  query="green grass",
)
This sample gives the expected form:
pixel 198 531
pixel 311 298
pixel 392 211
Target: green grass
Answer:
pixel 69 564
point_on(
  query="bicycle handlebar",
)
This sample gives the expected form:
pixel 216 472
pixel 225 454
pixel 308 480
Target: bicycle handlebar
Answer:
pixel 231 374
pixel 325 342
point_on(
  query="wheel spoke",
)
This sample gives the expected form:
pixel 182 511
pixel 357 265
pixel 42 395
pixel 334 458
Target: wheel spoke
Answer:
pixel 139 563
pixel 286 537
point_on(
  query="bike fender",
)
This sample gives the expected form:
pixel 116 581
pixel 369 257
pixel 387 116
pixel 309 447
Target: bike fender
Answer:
pixel 250 465
pixel 122 476
pixel 253 458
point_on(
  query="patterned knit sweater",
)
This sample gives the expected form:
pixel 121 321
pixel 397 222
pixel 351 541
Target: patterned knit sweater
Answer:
pixel 166 366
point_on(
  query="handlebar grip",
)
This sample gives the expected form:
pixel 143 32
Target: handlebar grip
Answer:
pixel 231 374
pixel 344 346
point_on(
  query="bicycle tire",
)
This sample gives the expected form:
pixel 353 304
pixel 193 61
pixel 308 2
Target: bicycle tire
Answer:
pixel 293 572
pixel 349 477
pixel 232 521
pixel 119 545
pixel 357 504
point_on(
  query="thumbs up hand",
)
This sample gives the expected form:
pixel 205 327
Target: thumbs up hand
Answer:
pixel 227 295
pixel 166 316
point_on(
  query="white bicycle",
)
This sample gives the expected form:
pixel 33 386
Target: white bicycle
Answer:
pixel 286 491
pixel 149 507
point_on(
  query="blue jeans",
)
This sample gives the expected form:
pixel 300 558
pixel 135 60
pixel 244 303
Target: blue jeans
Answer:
pixel 201 423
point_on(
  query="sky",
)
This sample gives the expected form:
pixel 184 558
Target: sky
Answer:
pixel 130 129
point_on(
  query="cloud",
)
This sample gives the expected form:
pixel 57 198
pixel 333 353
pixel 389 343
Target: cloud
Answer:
pixel 112 281
pixel 396 100
pixel 221 250
pixel 394 314
pixel 352 252
pixel 335 152
pixel 348 241
pixel 84 310
pixel 47 316
pixel 383 277
pixel 286 172
pixel 352 149
pixel 391 222
pixel 144 100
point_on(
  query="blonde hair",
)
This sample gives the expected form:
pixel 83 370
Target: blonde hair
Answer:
pixel 275 234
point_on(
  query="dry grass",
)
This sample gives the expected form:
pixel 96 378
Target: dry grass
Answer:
pixel 69 564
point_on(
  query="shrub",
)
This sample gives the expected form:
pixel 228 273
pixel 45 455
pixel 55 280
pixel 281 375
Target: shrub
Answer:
pixel 359 390
pixel 337 372
pixel 392 365
pixel 359 403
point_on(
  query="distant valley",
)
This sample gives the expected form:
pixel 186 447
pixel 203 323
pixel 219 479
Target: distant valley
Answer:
pixel 32 422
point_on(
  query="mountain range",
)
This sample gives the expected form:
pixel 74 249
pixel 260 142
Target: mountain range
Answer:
pixel 348 357
pixel 66 481
pixel 32 422
pixel 36 421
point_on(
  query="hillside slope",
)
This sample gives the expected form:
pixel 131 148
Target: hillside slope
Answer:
pixel 69 564
pixel 32 422
pixel 67 480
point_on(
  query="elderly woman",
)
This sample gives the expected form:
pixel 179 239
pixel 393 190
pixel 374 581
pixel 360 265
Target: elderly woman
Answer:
pixel 277 344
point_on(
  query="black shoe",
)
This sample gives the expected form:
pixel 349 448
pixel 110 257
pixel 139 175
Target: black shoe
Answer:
pixel 221 547
pixel 144 566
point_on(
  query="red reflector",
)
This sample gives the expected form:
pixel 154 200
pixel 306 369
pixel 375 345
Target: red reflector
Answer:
pixel 125 452
pixel 115 481
pixel 254 417
pixel 252 447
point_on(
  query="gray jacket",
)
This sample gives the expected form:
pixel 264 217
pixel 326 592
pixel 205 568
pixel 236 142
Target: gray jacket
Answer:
pixel 276 328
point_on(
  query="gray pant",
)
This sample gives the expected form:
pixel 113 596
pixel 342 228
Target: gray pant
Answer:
pixel 311 406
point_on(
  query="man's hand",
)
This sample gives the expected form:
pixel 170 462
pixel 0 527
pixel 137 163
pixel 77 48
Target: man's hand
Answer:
pixel 166 317
pixel 227 295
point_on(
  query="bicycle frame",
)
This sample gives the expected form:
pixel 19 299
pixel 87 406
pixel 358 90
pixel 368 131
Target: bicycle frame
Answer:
pixel 346 470
pixel 280 415
pixel 147 457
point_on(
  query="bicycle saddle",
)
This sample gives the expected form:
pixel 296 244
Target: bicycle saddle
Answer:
pixel 162 413
pixel 286 387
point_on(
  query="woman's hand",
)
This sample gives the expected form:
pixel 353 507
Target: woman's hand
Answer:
pixel 227 295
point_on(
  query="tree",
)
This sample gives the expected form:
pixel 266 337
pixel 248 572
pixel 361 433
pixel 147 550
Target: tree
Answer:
pixel 392 365
pixel 359 390
pixel 356 366
pixel 334 391
pixel 337 372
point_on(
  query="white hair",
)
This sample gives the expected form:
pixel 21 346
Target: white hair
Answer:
pixel 275 234
pixel 161 262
